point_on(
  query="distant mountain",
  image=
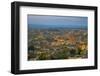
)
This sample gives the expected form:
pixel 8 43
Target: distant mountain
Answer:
pixel 35 26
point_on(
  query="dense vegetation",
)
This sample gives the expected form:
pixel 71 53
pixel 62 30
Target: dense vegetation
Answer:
pixel 49 44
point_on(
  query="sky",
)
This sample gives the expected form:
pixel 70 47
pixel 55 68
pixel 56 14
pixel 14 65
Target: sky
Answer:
pixel 56 21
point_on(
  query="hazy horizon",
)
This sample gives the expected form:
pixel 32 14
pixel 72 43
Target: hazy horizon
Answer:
pixel 47 21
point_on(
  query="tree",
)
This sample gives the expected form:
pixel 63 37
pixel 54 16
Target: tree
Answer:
pixel 31 47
